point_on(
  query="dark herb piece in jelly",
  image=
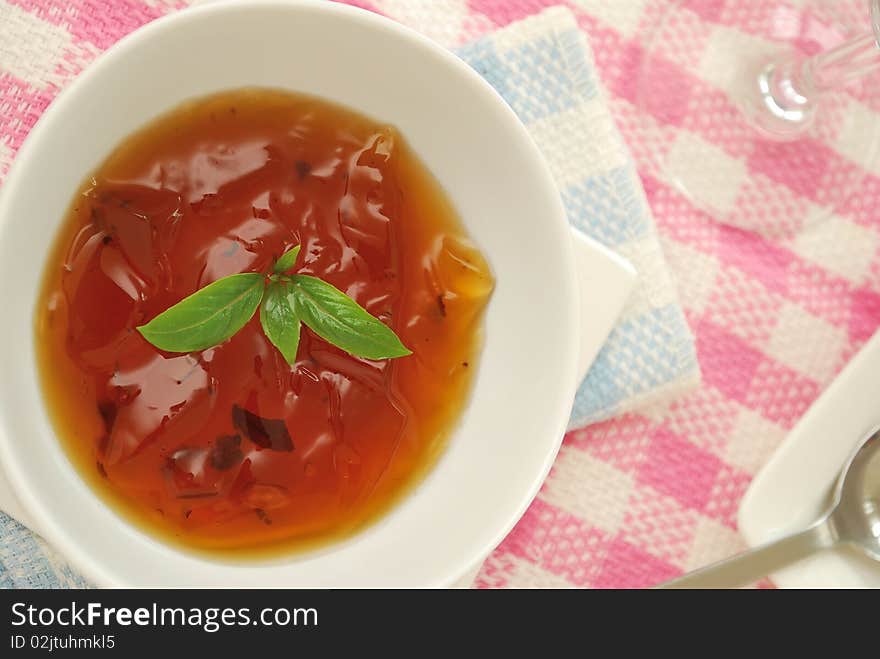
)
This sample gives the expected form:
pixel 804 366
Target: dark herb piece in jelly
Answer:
pixel 265 433
pixel 226 452
pixel 302 169
pixel 108 411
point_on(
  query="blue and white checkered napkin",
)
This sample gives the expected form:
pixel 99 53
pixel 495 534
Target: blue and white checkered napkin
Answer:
pixel 544 68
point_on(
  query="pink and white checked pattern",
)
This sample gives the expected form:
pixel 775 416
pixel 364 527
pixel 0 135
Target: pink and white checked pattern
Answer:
pixel 776 315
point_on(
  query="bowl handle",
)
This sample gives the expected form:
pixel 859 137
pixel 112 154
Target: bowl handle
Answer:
pixel 606 281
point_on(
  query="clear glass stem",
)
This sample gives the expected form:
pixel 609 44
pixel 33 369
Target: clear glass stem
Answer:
pixel 839 66
pixel 790 89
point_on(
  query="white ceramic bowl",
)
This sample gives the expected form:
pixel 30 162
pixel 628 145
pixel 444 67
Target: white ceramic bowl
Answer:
pixel 535 352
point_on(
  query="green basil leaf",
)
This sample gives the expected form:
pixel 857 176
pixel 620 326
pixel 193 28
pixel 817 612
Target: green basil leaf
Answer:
pixel 279 321
pixel 336 318
pixel 287 260
pixel 207 317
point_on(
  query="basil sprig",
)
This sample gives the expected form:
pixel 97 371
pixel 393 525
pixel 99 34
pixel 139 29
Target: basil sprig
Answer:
pixel 216 312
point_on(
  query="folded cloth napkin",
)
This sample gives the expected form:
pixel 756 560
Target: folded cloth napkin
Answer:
pixel 544 69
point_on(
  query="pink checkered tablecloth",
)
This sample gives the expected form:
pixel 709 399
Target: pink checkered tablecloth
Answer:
pixel 642 498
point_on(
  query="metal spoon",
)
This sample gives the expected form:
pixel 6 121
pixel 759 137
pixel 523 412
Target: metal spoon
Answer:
pixel 853 519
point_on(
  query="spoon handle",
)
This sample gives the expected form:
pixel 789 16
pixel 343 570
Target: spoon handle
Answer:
pixel 750 566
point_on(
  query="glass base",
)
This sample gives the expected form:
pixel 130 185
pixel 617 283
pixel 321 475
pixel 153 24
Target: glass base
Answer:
pixel 717 140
